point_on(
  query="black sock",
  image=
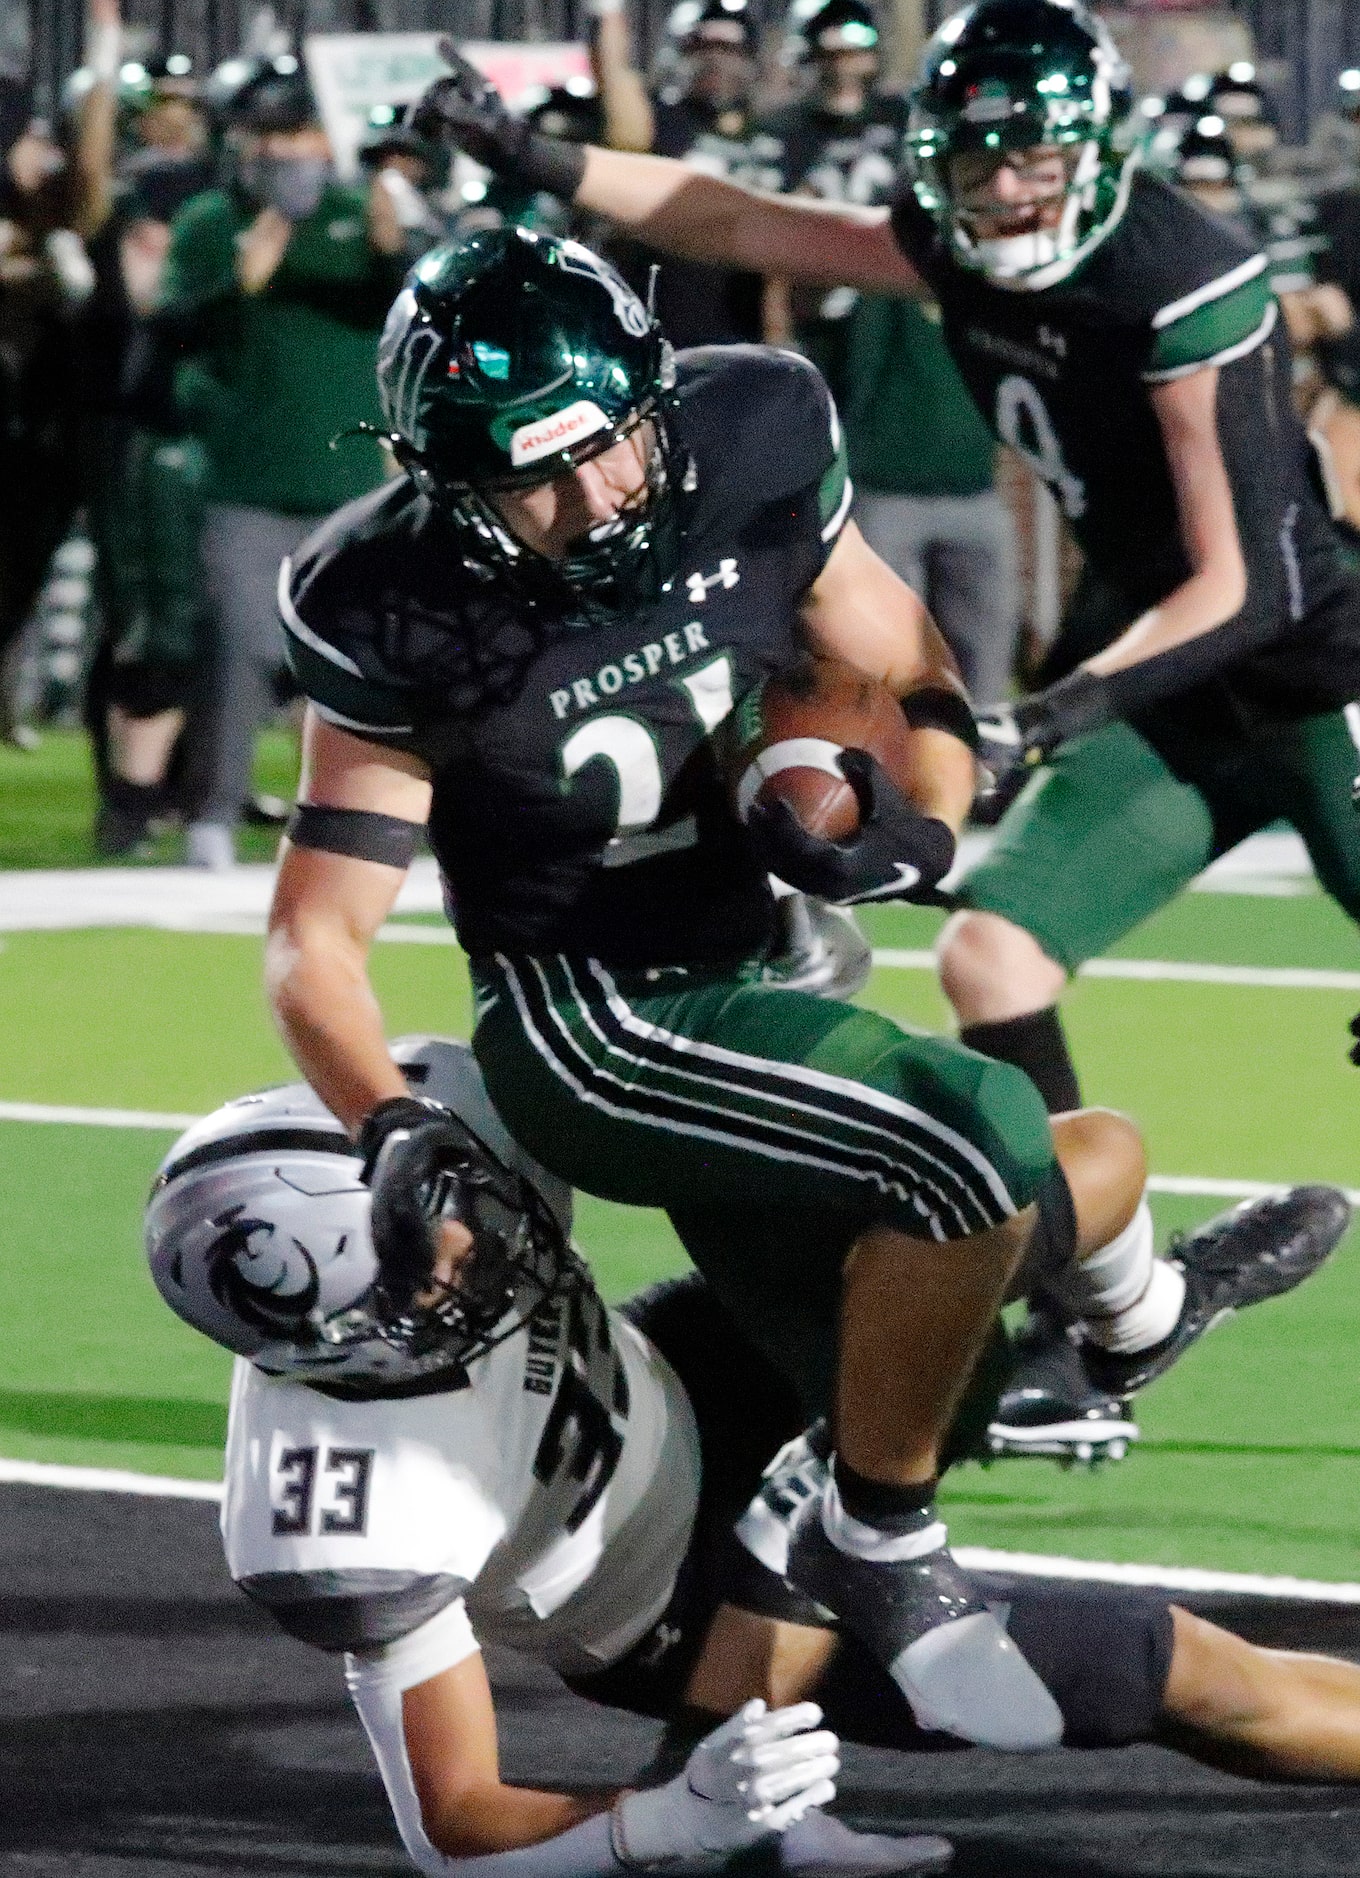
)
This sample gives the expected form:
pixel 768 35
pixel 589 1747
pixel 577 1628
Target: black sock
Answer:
pixel 1034 1043
pixel 880 1503
pixel 136 798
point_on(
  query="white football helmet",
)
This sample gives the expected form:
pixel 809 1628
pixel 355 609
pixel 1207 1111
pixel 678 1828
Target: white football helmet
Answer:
pixel 257 1231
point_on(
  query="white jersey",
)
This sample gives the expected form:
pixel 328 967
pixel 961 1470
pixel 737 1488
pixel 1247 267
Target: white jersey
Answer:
pixel 546 1505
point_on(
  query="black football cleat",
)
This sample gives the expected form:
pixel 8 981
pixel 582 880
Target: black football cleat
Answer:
pixel 1258 1250
pixel 1050 1407
pixel 922 1620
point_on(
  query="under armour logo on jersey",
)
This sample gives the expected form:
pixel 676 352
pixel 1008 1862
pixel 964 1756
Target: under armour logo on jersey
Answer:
pixel 699 584
pixel 1055 342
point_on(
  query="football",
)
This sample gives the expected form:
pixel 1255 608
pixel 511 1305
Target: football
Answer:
pixel 789 732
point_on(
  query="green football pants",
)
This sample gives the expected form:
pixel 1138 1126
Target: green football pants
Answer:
pixel 773 1127
pixel 146 512
pixel 1108 832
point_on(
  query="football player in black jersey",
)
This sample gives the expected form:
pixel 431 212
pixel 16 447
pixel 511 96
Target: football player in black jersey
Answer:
pixel 1127 344
pixel 529 640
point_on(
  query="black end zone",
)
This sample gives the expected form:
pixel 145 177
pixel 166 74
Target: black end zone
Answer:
pixel 154 1723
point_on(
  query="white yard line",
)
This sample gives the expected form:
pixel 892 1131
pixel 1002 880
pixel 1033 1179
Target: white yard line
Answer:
pixel 94 1118
pixel 106 1480
pixel 971 1557
pixel 1271 977
pixel 168 1121
pixel 187 899
pixel 886 958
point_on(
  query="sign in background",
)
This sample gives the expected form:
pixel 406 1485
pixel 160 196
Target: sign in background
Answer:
pixel 353 72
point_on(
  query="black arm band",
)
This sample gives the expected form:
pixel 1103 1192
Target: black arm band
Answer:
pixel 357 833
pixel 936 707
pixel 553 165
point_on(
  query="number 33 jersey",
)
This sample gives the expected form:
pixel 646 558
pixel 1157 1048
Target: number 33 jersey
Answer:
pixel 578 803
pixel 547 1505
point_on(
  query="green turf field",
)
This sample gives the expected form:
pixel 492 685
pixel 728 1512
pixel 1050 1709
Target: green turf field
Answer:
pixel 47 803
pixel 1251 1457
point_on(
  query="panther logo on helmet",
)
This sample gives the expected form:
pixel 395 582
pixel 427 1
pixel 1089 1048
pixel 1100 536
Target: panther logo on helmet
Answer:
pixel 270 1280
pixel 631 313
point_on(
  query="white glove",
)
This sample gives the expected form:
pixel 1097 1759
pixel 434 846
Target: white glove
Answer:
pixel 757 1774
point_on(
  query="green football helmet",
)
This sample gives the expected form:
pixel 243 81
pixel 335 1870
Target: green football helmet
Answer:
pixel 511 358
pixel 1006 75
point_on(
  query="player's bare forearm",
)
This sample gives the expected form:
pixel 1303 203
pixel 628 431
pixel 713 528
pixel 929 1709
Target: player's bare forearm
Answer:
pixel 449 1724
pixel 328 907
pixel 316 976
pixel 480 1820
pixel 1217 586
pixel 704 218
pixel 859 610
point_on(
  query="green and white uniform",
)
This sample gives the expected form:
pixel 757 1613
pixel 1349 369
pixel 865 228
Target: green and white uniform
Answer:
pixel 1257 728
pixel 615 914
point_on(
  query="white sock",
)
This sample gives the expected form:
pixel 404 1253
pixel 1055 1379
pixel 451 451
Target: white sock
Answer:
pixel 1129 1299
pixel 851 1535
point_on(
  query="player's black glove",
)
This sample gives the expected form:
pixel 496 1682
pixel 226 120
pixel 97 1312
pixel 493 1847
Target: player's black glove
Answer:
pixel 896 854
pixel 1076 704
pixel 411 1150
pixel 1355 1047
pixel 466 110
pixel 1014 738
pixel 1003 767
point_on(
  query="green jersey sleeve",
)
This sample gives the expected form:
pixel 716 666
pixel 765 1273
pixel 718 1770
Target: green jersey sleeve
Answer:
pixel 1215 323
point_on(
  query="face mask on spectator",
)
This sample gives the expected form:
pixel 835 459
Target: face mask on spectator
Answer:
pixel 292 185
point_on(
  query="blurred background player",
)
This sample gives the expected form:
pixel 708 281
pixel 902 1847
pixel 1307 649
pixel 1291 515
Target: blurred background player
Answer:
pixel 922 460
pixel 51 185
pixel 414 172
pixel 276 287
pixel 142 472
pixel 839 139
pixel 699 109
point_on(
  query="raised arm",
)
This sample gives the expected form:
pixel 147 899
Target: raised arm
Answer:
pixel 666 203
pixel 706 218
pixel 338 878
pixel 629 123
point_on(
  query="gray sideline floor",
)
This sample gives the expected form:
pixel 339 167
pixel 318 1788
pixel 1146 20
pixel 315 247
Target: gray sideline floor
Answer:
pixel 151 1722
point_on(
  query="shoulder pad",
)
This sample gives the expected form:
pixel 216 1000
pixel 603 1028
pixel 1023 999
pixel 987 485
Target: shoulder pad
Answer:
pixel 783 441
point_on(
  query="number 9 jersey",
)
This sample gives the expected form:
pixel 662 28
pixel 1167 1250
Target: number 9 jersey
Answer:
pixel 578 805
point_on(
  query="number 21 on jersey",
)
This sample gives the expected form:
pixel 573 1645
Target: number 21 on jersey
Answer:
pixel 629 747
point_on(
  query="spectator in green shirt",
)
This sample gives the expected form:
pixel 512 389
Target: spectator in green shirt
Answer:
pixel 276 290
pixel 923 464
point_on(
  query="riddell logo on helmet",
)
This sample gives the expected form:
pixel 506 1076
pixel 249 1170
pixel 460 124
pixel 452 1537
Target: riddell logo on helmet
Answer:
pixel 558 432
